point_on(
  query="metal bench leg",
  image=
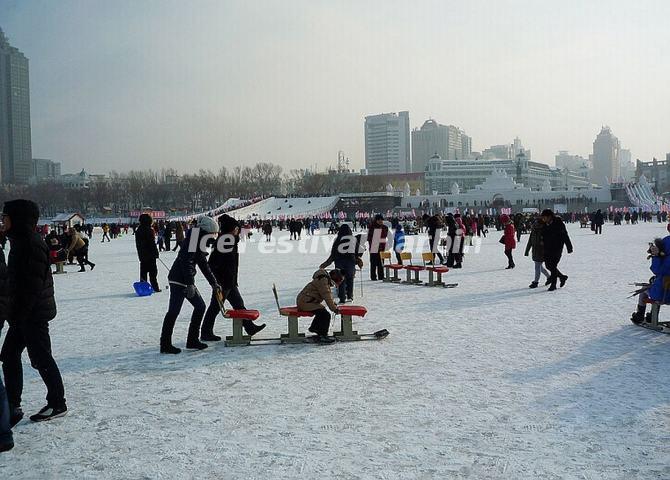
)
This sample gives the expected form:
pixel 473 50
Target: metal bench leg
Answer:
pixel 59 268
pixel 347 332
pixel 238 338
pixel 293 335
pixel 439 282
pixel 430 279
pixel 655 309
pixel 387 277
pixel 416 280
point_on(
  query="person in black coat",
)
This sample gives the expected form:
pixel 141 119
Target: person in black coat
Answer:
pixel 377 238
pixel 224 263
pixel 434 225
pixel 31 307
pixel 555 238
pixel 346 252
pixel 6 437
pixel 598 220
pixel 147 251
pixel 182 285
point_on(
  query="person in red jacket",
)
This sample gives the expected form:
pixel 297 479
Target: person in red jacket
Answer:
pixel 508 239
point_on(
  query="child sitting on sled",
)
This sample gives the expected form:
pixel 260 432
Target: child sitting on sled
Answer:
pixel 319 290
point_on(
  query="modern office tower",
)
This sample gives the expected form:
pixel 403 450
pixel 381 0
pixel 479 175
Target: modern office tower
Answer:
pixel 387 143
pixel 433 138
pixel 16 160
pixel 605 157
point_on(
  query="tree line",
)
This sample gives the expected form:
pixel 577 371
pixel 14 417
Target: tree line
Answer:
pixel 167 190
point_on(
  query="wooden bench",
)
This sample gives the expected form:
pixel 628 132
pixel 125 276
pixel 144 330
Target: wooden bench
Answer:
pixel 238 338
pixel 347 312
pixel 416 269
pixel 432 270
pixel 396 267
pixel 293 335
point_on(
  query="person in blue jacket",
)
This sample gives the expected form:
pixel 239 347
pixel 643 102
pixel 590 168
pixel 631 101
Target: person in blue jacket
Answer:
pixel 398 242
pixel 659 252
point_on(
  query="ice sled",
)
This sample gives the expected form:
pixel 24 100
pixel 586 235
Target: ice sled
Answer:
pixel 143 289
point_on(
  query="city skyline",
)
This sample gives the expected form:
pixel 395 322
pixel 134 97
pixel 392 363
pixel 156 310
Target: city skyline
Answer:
pixel 157 84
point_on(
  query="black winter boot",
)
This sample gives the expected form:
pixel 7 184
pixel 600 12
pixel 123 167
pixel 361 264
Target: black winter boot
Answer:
pixel 251 328
pixel 15 416
pixel 170 349
pixel 638 316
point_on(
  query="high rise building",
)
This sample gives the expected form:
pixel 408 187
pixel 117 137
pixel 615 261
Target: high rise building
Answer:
pixel 466 146
pixel 605 157
pixel 571 162
pixel 45 169
pixel 448 141
pixel 626 165
pixel 387 143
pixel 16 160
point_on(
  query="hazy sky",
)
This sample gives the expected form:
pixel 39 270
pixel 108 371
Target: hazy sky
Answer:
pixel 198 84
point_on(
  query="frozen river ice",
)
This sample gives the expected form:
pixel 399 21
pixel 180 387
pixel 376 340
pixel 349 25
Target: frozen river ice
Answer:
pixel 486 380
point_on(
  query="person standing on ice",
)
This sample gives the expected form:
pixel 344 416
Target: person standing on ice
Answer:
pixel 178 236
pixel 31 307
pixel 182 285
pixel 434 224
pixel 537 246
pixel 398 242
pixel 224 263
pixel 598 221
pixel 147 251
pixel 311 297
pixel 377 234
pixel 345 253
pixel 508 239
pixel 554 237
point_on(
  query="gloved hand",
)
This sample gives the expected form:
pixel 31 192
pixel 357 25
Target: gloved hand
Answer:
pixel 190 291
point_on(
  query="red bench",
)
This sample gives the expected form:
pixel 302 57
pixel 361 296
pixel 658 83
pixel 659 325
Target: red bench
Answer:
pixel 439 270
pixel 238 338
pixel 347 312
pixel 396 267
pixel 416 269
pixel 293 335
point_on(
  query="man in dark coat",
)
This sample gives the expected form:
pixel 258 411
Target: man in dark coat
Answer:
pixel 147 251
pixel 377 234
pixel 224 263
pixel 6 437
pixel 598 220
pixel 554 237
pixel 434 224
pixel 31 307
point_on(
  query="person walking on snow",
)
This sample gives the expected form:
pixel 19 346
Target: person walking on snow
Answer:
pixel 182 286
pixel 224 264
pixel 31 307
pixel 535 244
pixel 508 239
pixel 554 237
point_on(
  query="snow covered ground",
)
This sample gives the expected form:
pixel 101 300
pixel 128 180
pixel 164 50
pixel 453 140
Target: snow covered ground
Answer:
pixel 487 380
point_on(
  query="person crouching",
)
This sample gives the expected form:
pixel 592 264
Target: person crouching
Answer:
pixel 309 299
